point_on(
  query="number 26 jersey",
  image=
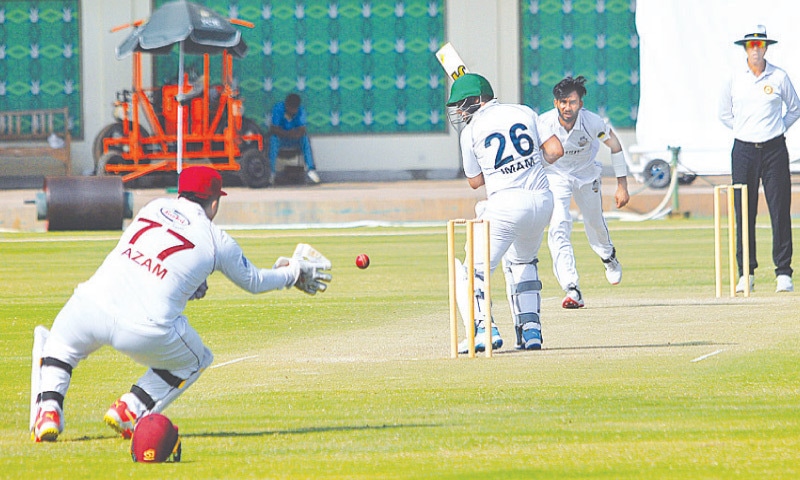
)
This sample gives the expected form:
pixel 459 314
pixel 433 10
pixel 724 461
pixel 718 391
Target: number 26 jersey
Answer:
pixel 502 142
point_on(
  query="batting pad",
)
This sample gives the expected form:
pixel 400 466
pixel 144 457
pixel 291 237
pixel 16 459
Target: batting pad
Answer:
pixel 40 335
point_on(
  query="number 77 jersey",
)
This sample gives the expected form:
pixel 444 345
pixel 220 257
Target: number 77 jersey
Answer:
pixel 501 141
pixel 166 252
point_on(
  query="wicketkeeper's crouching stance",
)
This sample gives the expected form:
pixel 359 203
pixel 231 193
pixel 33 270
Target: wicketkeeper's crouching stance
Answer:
pixel 135 300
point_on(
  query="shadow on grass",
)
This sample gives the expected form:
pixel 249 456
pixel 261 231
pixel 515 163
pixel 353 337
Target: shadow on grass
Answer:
pixel 611 347
pixel 711 302
pixel 265 433
pixel 301 431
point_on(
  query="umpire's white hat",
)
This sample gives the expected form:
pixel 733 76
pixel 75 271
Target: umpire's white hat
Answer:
pixel 758 33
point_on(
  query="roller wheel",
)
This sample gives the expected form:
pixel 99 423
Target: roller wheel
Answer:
pixel 109 131
pixel 254 169
pixel 110 158
pixel 249 127
pixel 657 173
pixel 115 130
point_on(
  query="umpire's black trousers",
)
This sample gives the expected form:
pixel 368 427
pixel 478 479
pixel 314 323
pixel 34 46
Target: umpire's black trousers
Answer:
pixel 769 163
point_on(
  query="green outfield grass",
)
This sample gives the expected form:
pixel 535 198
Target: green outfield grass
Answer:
pixel 654 379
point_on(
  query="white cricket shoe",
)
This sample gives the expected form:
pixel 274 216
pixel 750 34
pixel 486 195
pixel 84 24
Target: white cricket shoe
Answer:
pixel 613 268
pixel 49 424
pixel 573 299
pixel 784 284
pixel 740 286
pixel 120 417
pixel 312 175
pixel 480 340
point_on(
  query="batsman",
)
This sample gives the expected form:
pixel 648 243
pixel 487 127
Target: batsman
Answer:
pixel 135 301
pixel 501 150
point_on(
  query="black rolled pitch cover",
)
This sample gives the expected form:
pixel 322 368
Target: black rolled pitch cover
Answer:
pixel 84 203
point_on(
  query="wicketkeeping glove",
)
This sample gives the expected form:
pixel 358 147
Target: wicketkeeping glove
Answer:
pixel 200 292
pixel 313 277
pixel 314 269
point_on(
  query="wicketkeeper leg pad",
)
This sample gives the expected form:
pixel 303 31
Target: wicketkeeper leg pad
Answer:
pixel 164 387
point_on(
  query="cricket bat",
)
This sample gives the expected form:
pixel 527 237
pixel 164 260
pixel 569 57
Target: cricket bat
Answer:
pixel 451 61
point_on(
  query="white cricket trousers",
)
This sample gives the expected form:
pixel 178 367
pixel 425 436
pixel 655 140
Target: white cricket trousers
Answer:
pixel 588 198
pixel 81 327
pixel 518 219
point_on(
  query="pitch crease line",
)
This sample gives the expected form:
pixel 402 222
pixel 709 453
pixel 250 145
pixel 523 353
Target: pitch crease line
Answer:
pixel 703 357
pixel 233 361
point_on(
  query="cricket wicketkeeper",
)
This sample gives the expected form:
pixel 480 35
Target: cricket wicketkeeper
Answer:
pixel 134 303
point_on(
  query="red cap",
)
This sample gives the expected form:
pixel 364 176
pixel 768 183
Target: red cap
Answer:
pixel 155 439
pixel 204 182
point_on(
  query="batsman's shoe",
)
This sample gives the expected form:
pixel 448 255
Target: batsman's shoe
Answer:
pixel 121 419
pixel 480 340
pixel 529 336
pixel 573 299
pixel 613 269
pixel 784 284
pixel 49 424
pixel 740 285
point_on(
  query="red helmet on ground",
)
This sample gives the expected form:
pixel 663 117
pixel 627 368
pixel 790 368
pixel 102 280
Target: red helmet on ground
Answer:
pixel 155 439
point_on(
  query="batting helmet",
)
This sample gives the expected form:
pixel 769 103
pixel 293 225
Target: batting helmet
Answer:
pixel 469 85
pixel 155 439
pixel 466 97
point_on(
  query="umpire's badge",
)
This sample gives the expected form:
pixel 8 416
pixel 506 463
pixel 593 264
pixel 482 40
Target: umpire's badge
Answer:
pixel 596 186
pixel 768 89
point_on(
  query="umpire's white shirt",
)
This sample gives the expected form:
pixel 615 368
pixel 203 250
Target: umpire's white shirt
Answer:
pixel 165 254
pixel 581 144
pixel 753 106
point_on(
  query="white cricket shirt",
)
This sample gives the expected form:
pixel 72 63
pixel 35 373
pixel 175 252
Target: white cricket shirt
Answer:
pixel 581 144
pixel 753 106
pixel 501 141
pixel 163 256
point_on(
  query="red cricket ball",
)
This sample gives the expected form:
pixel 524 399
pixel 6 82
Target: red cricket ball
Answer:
pixel 362 261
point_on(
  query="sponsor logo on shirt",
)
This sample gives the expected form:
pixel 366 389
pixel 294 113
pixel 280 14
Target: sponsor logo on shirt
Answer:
pixel 768 89
pixel 175 216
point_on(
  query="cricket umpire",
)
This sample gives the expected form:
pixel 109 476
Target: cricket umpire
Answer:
pixel 135 300
pixel 752 105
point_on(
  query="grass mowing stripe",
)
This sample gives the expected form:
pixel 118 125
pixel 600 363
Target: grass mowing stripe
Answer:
pixel 356 383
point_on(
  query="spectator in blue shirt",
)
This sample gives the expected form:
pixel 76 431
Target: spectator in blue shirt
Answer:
pixel 288 130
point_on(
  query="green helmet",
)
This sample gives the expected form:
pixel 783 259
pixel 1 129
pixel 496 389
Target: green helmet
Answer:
pixel 469 85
